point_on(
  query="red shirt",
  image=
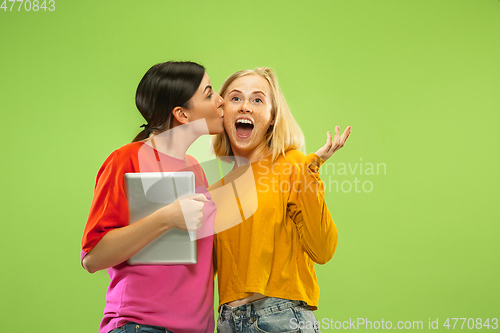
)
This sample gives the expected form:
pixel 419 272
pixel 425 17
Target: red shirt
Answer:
pixel 177 297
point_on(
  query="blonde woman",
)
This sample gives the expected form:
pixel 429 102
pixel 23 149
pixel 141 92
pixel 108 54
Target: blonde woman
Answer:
pixel 265 265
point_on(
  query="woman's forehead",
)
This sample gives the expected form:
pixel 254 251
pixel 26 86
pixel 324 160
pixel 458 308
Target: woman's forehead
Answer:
pixel 204 83
pixel 250 83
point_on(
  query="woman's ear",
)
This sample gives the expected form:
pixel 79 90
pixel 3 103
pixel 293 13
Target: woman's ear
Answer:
pixel 180 115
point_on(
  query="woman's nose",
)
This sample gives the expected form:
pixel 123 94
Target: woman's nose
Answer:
pixel 221 101
pixel 246 108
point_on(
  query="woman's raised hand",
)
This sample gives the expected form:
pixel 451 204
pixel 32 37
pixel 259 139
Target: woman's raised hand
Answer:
pixel 338 142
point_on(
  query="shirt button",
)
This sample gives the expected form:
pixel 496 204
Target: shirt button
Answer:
pixel 137 326
pixel 237 313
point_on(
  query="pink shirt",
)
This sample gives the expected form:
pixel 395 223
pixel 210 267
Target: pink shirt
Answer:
pixel 177 297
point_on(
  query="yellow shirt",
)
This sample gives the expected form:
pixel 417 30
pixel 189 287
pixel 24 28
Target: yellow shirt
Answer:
pixel 273 251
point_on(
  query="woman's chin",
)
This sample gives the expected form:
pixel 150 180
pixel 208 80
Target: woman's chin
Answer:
pixel 246 147
pixel 217 131
pixel 240 141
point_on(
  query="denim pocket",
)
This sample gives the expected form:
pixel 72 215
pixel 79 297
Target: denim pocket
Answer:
pixel 224 326
pixel 137 328
pixel 151 329
pixel 277 322
pixel 306 320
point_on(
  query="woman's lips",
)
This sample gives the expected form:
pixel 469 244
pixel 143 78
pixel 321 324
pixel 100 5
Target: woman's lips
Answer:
pixel 244 127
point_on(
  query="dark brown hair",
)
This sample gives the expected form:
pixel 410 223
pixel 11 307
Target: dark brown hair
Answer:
pixel 164 87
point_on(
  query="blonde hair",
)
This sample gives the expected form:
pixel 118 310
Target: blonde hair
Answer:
pixel 284 135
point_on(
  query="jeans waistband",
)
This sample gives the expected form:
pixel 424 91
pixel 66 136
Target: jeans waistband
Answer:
pixel 261 307
pixel 132 327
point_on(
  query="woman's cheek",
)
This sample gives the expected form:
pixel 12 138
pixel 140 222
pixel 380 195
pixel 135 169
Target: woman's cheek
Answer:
pixel 261 128
pixel 227 125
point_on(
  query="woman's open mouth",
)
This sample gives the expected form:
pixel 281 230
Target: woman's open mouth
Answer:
pixel 244 127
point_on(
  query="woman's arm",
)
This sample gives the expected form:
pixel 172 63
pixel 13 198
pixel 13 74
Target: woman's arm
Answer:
pixel 120 244
pixel 307 205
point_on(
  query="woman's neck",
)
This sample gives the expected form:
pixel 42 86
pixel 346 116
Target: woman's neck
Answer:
pixel 176 141
pixel 252 155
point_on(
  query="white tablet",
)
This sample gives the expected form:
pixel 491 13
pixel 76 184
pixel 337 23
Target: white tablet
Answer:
pixel 148 192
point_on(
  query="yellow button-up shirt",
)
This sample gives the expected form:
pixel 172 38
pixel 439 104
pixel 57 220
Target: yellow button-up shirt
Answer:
pixel 273 251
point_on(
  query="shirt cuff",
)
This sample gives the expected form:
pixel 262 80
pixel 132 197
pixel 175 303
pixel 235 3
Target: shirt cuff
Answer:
pixel 314 162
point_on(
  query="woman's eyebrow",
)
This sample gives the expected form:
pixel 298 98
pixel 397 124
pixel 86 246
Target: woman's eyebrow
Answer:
pixel 207 87
pixel 259 92
pixel 254 92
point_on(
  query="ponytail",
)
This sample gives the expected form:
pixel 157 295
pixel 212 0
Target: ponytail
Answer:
pixel 144 134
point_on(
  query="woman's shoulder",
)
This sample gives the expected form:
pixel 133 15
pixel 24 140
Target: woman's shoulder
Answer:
pixel 129 149
pixel 293 156
pixel 296 157
pixel 130 152
pixel 127 153
pixel 122 158
pixel 191 160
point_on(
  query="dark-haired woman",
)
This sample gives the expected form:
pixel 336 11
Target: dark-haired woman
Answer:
pixel 178 103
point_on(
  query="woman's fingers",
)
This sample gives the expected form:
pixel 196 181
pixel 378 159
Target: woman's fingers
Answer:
pixel 339 141
pixel 192 211
pixel 328 144
pixel 336 140
pixel 198 197
pixel 345 135
pixel 328 139
pixel 332 146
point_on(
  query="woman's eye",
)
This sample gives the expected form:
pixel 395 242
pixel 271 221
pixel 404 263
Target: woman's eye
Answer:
pixel 236 99
pixel 258 100
pixel 210 95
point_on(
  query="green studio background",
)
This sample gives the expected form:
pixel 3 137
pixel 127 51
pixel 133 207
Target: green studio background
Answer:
pixel 417 80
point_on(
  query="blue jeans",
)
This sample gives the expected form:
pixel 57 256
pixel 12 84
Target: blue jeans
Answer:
pixel 139 328
pixel 268 315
